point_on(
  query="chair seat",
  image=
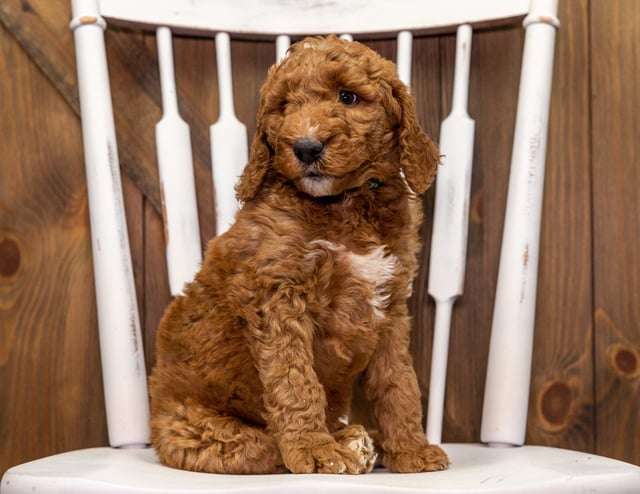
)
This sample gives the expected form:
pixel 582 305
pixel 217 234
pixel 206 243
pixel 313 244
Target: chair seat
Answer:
pixel 475 468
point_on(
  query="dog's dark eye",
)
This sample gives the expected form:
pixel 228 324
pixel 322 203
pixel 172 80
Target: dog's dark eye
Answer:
pixel 347 97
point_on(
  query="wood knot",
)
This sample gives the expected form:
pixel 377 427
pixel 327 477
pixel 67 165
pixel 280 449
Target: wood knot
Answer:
pixel 555 405
pixel 625 361
pixel 9 257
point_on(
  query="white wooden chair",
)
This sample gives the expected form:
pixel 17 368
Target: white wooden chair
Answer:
pixel 130 466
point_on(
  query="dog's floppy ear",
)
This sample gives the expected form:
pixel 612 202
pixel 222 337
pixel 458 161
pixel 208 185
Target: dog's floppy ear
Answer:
pixel 261 152
pixel 259 161
pixel 419 155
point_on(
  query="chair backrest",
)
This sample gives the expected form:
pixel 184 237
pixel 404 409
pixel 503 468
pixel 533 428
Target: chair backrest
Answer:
pixel 120 339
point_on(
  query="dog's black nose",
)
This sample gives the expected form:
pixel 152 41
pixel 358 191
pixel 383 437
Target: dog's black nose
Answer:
pixel 308 150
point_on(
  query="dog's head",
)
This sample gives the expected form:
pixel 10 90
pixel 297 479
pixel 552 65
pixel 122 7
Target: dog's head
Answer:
pixel 333 116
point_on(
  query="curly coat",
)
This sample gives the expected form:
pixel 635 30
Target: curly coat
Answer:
pixel 308 289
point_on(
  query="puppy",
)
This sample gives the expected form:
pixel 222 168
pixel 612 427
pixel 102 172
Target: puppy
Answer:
pixel 308 289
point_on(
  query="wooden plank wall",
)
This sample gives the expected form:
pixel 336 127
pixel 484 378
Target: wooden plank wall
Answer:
pixel 585 384
pixel 615 137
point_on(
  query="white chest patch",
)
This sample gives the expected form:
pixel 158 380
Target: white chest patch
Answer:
pixel 378 268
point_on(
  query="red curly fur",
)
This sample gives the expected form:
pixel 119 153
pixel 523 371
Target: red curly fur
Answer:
pixel 309 287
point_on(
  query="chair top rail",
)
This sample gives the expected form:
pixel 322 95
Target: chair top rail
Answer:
pixel 265 19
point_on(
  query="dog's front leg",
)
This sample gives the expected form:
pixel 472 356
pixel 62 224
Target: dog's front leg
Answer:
pixel 294 399
pixel 391 384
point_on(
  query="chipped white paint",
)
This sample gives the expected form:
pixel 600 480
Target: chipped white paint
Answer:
pixel 123 366
pixel 506 399
pixel 275 17
pixel 450 226
pixel 229 147
pixel 177 182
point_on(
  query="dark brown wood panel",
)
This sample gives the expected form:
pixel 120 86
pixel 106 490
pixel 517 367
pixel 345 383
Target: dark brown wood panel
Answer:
pixel 426 85
pixel 156 281
pixel 42 29
pixel 50 393
pixel 615 137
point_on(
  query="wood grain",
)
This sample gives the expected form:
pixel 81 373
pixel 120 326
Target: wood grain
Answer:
pixel 615 135
pixel 50 390
pixel 42 29
pixel 426 86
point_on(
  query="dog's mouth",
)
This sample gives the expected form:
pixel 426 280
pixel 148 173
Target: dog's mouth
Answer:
pixel 316 184
pixel 314 175
pixel 314 180
pixel 312 169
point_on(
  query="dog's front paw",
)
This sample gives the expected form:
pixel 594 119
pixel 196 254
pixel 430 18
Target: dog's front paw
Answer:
pixel 319 452
pixel 426 459
pixel 355 438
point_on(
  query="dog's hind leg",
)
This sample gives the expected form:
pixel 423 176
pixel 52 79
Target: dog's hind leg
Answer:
pixel 196 438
